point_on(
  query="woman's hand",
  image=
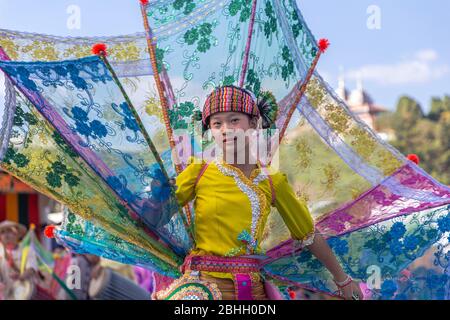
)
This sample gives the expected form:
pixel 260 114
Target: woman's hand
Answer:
pixel 352 291
pixel 159 208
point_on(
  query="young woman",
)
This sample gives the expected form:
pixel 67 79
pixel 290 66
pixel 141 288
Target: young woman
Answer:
pixel 232 201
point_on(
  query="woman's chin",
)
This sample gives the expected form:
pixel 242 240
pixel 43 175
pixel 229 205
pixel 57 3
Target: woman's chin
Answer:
pixel 231 153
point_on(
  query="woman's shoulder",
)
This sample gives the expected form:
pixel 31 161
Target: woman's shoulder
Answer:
pixel 274 172
pixel 278 177
pixel 193 160
pixel 194 165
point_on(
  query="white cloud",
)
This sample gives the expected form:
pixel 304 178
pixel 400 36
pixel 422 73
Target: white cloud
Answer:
pixel 421 67
pixel 427 55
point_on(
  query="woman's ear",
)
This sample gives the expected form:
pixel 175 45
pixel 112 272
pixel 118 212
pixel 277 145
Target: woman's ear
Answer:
pixel 254 122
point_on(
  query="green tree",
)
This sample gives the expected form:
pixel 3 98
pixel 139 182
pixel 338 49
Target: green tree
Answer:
pixel 410 109
pixel 384 121
pixel 438 106
pixel 436 109
pixel 442 156
pixel 405 123
pixel 428 137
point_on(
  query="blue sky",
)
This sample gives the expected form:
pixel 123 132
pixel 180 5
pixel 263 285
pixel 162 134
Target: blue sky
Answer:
pixel 409 54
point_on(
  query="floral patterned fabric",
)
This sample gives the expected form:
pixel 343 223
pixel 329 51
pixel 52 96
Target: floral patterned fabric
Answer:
pixel 87 108
pixel 376 208
pixel 82 236
pixel 402 258
pixel 38 155
pixel 200 44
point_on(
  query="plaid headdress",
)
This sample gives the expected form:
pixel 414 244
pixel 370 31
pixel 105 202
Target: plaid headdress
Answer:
pixel 235 99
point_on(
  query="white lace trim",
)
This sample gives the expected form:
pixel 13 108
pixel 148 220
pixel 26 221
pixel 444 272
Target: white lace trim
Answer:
pixel 252 196
pixel 305 242
pixel 260 178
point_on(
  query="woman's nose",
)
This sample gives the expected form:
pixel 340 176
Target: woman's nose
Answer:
pixel 223 128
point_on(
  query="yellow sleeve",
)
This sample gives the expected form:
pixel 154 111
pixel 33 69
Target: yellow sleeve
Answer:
pixel 294 212
pixel 185 181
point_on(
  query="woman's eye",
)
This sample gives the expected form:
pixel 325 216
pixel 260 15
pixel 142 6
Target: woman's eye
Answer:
pixel 235 120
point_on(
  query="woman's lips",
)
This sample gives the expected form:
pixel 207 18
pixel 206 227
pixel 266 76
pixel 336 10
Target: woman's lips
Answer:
pixel 229 140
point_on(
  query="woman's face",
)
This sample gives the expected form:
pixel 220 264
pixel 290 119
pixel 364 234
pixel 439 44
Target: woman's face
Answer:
pixel 9 237
pixel 229 130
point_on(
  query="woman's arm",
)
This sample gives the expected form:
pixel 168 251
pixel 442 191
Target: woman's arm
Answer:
pixel 300 223
pixel 322 251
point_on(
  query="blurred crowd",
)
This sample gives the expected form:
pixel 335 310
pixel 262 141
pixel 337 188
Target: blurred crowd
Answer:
pixel 26 274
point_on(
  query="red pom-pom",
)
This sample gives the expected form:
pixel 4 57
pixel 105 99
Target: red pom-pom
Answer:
pixel 99 49
pixel 144 2
pixel 50 232
pixel 414 158
pixel 292 294
pixel 323 45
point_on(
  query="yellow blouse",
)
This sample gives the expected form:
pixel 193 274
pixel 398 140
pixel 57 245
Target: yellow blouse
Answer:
pixel 231 210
